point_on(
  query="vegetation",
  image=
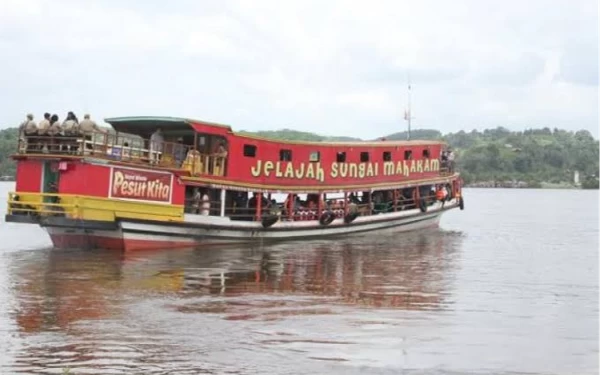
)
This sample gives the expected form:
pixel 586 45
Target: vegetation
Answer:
pixel 533 156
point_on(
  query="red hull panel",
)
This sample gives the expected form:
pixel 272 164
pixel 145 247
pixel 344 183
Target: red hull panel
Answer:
pixel 112 243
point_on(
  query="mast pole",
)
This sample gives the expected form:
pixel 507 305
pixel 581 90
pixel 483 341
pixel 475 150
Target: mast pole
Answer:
pixel 407 114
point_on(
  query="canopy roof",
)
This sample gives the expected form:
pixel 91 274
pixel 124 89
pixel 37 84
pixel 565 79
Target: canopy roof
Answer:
pixel 144 126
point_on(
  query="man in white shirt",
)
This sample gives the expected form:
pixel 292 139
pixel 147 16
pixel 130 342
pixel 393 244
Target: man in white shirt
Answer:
pixel 156 145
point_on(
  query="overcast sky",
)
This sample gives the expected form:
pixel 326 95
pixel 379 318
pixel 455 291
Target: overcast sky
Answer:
pixel 332 67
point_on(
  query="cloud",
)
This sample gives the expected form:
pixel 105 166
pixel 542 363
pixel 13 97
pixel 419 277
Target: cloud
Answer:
pixel 334 67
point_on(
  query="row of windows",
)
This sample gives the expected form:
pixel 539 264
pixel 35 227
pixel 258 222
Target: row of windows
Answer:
pixel 286 155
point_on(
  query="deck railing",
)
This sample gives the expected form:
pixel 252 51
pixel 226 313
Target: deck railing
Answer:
pixel 86 207
pixel 126 149
pixel 304 212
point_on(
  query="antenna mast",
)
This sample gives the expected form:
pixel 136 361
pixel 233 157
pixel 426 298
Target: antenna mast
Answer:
pixel 407 113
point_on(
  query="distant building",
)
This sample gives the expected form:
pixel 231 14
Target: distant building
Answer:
pixel 576 178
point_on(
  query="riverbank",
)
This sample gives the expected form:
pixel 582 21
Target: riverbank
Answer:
pixel 522 185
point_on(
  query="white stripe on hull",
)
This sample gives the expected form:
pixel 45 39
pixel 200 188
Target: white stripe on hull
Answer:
pixel 204 230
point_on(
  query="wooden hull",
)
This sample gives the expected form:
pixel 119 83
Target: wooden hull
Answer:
pixel 198 231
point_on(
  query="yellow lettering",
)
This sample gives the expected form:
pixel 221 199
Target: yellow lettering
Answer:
pixel 419 165
pixel 300 171
pixel 268 168
pixel 320 173
pixel 310 171
pixel 117 181
pixel 256 169
pixel 406 170
pixel 399 168
pixel 343 170
pixel 370 171
pixel 435 165
pixel 426 167
pixel 413 166
pixel 289 171
pixel 361 170
pixel 334 170
pixel 278 172
pixel 353 171
pixel 388 168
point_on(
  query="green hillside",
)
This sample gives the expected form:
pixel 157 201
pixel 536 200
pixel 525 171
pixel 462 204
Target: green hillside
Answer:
pixel 533 156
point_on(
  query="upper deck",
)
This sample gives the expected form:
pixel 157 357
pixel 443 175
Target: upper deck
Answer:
pixel 210 153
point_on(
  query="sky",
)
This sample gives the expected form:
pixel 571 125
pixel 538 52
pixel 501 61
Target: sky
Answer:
pixel 335 67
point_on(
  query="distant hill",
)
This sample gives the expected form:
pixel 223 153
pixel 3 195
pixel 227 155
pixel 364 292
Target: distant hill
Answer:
pixel 533 156
pixel 288 134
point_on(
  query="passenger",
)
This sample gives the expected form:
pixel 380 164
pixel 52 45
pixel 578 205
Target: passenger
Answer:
pixel 55 128
pixel 220 155
pixel 439 195
pixel 156 145
pixel 179 152
pixel 71 116
pixel 44 125
pixel 205 204
pixel 87 127
pixel 28 127
pixel 196 201
pixel 450 161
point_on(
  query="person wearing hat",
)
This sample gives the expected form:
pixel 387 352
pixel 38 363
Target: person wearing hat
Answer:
pixel 26 129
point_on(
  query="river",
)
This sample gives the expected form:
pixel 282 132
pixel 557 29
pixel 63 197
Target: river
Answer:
pixel 507 286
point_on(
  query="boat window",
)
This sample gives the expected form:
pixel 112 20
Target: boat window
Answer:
pixel 250 151
pixel 387 156
pixel 364 157
pixel 407 154
pixel 285 155
pixel 315 156
pixel 426 154
pixel 340 157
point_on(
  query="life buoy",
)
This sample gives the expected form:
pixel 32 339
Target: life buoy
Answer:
pixel 461 203
pixel 350 217
pixel 422 205
pixel 326 218
pixel 269 220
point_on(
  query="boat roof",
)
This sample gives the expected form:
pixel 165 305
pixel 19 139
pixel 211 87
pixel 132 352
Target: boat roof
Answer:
pixel 144 126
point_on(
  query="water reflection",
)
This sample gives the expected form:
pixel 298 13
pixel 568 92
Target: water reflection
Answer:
pixel 57 288
pixel 97 311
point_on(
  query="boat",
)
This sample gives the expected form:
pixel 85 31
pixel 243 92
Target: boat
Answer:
pixel 167 182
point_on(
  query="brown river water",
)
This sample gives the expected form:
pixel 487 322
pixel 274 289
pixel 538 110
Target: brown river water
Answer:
pixel 507 286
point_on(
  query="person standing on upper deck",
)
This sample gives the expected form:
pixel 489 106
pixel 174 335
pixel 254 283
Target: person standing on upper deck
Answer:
pixel 156 145
pixel 450 160
pixel 28 127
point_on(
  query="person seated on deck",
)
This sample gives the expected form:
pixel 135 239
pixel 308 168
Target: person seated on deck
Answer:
pixel 440 194
pixel 54 130
pixel 70 130
pixel 87 127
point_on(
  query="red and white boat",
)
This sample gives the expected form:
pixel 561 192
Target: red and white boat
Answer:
pixel 195 183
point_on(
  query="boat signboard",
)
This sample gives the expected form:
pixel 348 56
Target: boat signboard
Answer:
pixel 141 185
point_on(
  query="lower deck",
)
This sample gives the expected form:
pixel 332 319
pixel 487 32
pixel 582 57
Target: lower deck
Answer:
pixel 198 231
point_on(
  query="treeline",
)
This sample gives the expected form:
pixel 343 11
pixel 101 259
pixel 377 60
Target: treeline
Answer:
pixel 532 156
